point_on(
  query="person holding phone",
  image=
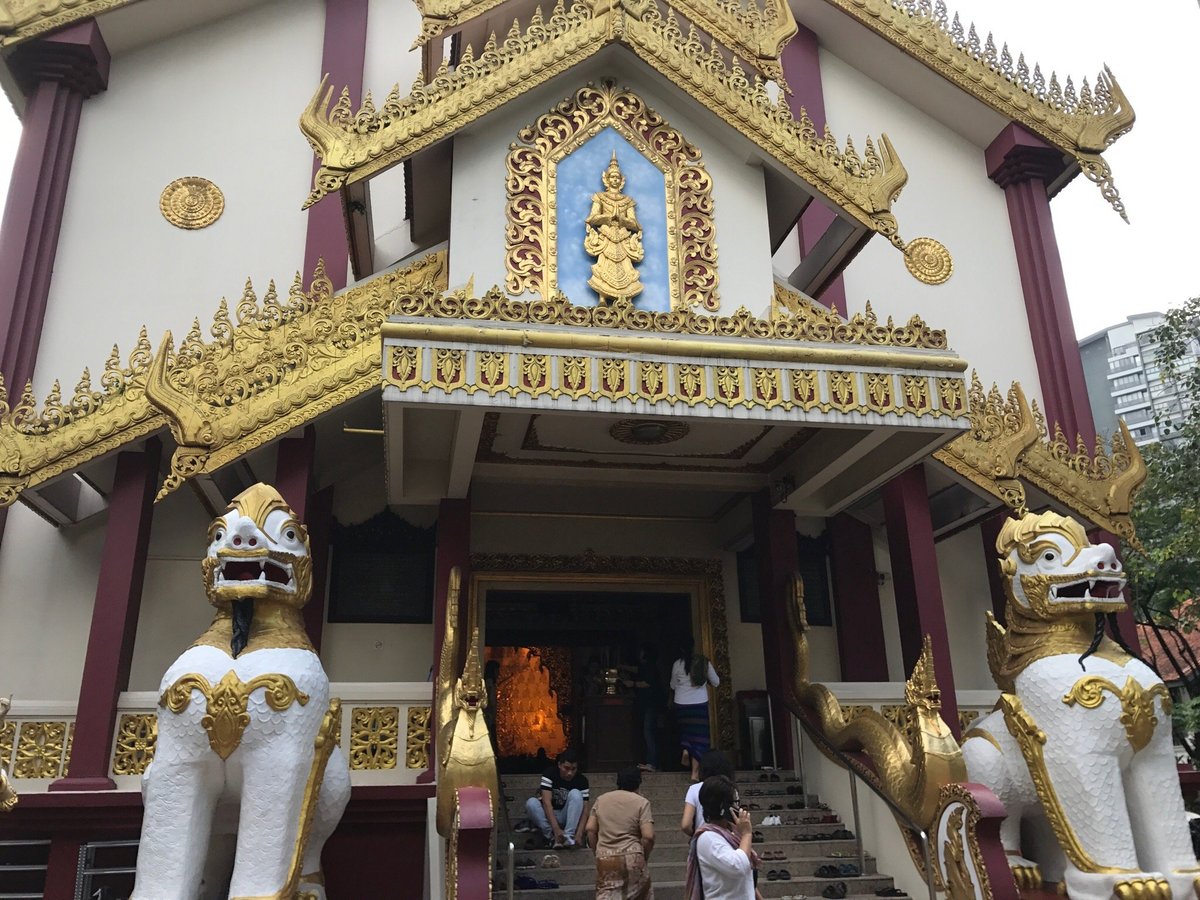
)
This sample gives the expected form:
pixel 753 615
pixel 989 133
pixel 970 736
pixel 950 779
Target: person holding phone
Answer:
pixel 721 862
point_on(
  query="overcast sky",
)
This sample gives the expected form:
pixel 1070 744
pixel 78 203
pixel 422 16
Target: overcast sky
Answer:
pixel 1112 269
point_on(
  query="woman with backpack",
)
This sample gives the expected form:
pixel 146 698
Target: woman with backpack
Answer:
pixel 691 674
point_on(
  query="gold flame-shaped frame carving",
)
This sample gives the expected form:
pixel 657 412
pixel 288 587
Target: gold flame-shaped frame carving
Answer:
pixel 532 163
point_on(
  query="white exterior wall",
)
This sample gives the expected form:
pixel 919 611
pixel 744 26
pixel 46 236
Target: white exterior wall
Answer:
pixel 220 101
pixel 47 589
pixel 948 197
pixel 967 598
pixel 739 199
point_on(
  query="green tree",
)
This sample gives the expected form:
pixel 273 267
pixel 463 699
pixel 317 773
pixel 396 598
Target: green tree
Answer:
pixel 1165 579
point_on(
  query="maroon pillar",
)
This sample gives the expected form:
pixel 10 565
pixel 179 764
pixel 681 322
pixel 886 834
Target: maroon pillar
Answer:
pixel 342 60
pixel 862 650
pixel 453 549
pixel 1023 165
pixel 802 70
pixel 989 530
pixel 58 73
pixel 915 580
pixel 778 558
pixel 62 868
pixel 294 465
pixel 114 618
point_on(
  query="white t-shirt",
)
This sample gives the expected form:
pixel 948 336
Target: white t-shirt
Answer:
pixel 726 872
pixel 693 797
pixel 686 693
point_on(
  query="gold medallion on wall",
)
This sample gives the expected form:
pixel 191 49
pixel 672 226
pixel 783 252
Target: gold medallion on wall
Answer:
pixel 191 202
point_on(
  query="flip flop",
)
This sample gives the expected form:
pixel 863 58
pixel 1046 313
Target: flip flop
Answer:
pixel 835 891
pixel 848 870
pixel 827 871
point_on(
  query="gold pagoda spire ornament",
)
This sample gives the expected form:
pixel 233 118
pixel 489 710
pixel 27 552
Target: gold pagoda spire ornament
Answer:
pixel 614 237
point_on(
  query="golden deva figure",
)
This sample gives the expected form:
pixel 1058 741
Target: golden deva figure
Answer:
pixel 614 237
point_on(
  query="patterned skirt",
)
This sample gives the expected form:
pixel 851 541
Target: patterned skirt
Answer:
pixel 623 877
pixel 693 728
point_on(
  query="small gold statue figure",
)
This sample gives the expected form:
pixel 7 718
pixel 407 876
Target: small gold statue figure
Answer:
pixel 8 797
pixel 614 237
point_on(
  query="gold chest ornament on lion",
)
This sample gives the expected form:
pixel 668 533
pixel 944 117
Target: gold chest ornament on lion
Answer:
pixel 1080 749
pixel 247 781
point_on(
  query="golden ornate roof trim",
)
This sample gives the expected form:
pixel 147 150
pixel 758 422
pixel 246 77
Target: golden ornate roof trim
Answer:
pixel 38 445
pixel 755 33
pixel 21 20
pixel 814 322
pixel 283 364
pixel 353 145
pixel 1081 124
pixel 816 326
pixel 1009 443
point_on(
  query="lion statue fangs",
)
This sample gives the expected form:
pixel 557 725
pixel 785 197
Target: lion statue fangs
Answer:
pixel 247 781
pixel 1081 741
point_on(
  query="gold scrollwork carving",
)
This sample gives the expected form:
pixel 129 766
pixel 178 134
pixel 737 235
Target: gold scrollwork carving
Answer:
pixel 40 748
pixel 226 716
pixel 374 737
pixel 191 202
pixel 532 164
pixel 136 739
pixel 417 737
pixel 1137 704
pixel 8 734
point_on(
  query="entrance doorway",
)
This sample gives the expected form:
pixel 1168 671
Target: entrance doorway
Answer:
pixel 568 662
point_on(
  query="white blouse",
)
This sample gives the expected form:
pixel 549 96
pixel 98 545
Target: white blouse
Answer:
pixel 726 872
pixel 686 693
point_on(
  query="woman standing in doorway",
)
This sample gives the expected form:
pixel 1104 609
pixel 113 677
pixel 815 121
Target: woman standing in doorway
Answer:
pixel 691 674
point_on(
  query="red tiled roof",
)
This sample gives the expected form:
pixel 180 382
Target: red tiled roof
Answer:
pixel 1175 641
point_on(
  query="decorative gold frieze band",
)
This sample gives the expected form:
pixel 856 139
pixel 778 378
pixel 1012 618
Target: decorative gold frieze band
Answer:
pixel 21 20
pixel 671 383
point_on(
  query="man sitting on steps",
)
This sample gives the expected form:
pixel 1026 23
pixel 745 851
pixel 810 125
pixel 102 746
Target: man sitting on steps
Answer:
pixel 560 806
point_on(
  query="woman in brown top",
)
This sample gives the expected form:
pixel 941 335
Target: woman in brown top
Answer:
pixel 621 829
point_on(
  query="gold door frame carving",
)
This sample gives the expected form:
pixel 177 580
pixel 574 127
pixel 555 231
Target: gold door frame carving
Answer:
pixel 703 579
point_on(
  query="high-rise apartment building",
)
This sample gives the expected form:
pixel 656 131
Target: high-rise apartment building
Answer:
pixel 1124 380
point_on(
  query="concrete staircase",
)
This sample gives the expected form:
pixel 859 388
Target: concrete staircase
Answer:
pixel 576 872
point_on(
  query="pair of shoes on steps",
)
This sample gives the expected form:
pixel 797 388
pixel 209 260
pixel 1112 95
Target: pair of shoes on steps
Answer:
pixel 890 892
pixel 779 875
pixel 836 891
pixel 772 856
pixel 771 820
pixel 845 870
pixel 550 861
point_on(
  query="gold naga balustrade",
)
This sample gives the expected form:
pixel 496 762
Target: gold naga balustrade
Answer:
pixel 1009 444
pixel 912 762
pixel 464 754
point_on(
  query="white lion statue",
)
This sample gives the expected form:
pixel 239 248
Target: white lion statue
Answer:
pixel 247 781
pixel 1080 748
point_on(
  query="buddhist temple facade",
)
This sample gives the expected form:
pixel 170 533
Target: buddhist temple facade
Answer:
pixel 627 312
